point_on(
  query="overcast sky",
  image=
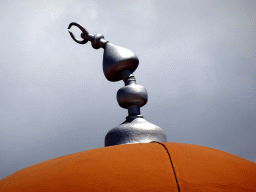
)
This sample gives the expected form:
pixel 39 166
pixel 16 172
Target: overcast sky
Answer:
pixel 197 62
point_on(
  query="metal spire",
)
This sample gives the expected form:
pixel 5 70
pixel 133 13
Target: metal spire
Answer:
pixel 119 64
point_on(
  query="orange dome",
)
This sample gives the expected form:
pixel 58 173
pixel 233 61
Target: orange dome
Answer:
pixel 138 167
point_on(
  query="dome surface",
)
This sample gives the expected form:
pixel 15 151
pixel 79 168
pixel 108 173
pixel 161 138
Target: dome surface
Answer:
pixel 138 167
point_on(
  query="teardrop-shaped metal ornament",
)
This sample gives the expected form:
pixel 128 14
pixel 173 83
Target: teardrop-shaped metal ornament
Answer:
pixel 117 60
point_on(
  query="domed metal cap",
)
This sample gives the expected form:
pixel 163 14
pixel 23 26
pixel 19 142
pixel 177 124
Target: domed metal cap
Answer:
pixel 134 130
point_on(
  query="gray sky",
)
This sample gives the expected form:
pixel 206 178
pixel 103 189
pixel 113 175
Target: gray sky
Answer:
pixel 197 62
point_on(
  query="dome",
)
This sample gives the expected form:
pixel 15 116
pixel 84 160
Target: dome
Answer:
pixel 156 166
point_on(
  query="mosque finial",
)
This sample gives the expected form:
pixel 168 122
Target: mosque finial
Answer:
pixel 118 64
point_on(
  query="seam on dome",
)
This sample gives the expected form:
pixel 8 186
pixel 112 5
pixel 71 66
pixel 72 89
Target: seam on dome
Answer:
pixel 170 161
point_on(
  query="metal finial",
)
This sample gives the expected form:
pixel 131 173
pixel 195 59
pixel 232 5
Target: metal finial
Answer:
pixel 118 64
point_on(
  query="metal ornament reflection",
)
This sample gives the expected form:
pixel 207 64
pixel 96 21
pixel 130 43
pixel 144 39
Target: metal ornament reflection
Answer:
pixel 118 64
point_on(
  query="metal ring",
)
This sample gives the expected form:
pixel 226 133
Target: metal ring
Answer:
pixel 84 31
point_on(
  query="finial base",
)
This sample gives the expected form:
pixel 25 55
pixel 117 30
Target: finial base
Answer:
pixel 134 130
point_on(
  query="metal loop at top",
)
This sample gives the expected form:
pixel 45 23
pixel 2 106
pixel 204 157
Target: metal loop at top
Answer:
pixel 84 32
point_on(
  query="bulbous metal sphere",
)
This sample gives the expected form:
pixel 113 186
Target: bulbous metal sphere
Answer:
pixel 132 95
